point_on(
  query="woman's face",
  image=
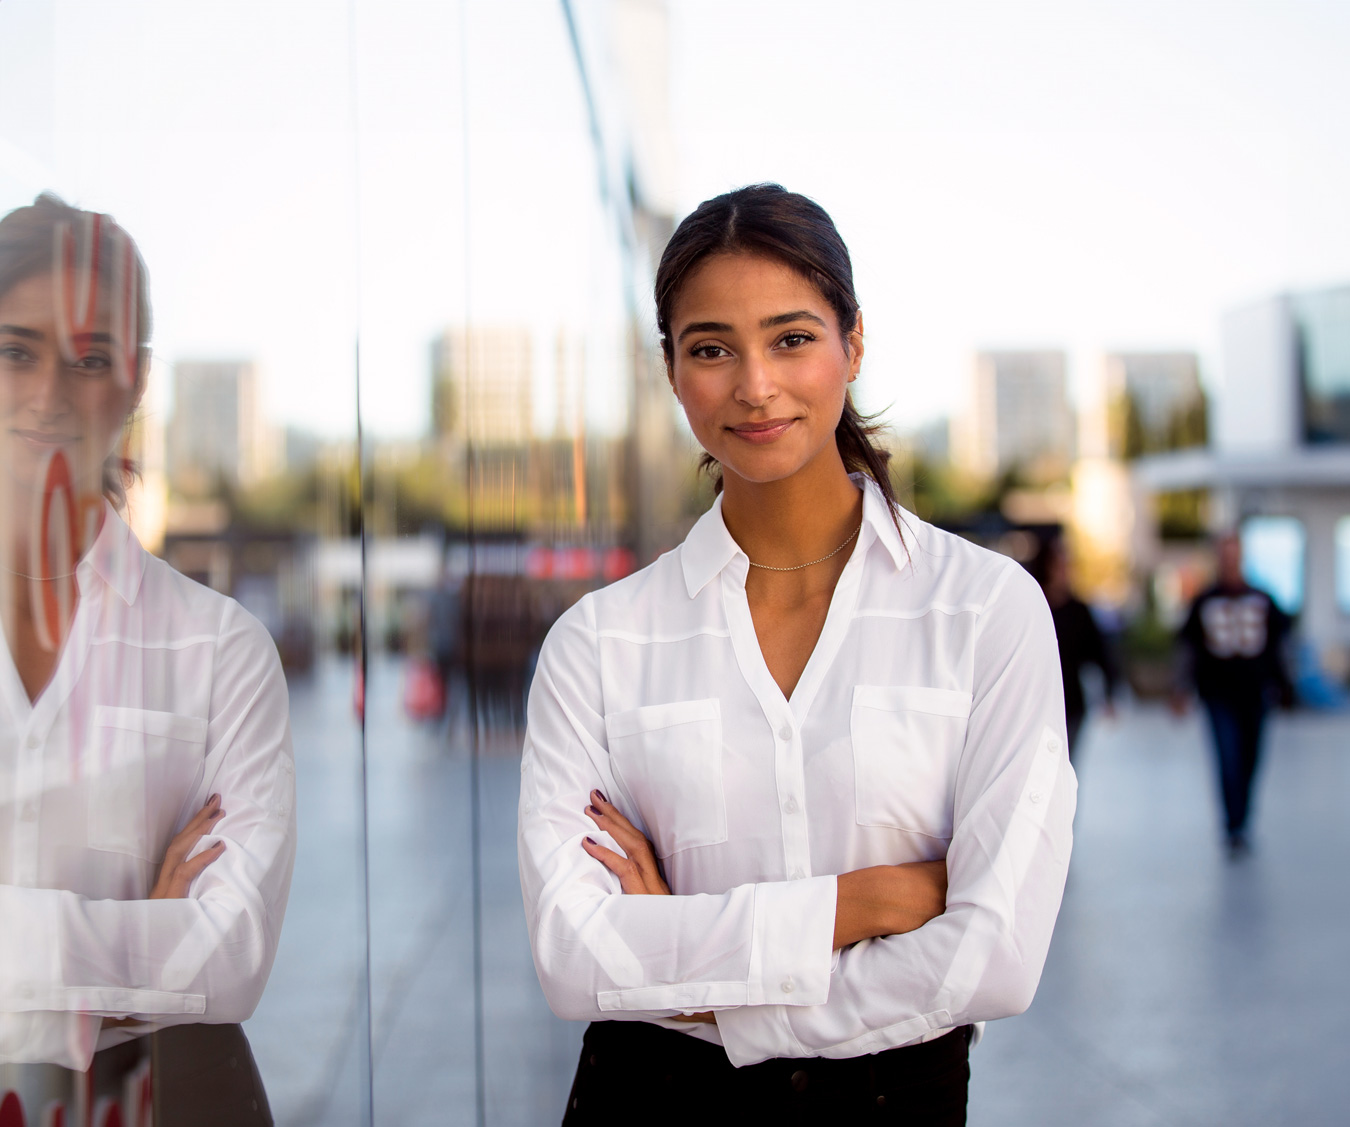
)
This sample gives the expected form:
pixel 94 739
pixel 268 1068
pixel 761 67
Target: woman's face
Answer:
pixel 760 365
pixel 49 402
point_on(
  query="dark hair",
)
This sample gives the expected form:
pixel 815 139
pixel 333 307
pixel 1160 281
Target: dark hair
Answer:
pixel 768 220
pixel 28 240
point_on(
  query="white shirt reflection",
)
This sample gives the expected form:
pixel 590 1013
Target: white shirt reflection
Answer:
pixel 164 694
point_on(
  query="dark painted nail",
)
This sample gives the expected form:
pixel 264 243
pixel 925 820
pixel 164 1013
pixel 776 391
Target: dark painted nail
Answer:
pixel 592 810
pixel 213 798
pixel 592 841
pixel 602 796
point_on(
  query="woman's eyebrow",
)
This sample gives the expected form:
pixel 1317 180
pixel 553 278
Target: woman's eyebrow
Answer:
pixel 766 323
pixel 796 315
pixel 704 327
pixel 20 331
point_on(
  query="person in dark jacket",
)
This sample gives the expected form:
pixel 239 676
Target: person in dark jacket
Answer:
pixel 1080 639
pixel 1232 645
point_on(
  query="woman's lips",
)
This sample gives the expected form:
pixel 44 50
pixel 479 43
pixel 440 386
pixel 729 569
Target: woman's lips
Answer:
pixel 44 439
pixel 765 432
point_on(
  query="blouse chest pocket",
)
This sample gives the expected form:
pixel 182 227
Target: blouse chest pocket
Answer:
pixel 668 758
pixel 143 767
pixel 907 742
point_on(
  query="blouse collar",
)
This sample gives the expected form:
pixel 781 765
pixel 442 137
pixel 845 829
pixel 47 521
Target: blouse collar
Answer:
pixel 116 557
pixel 709 548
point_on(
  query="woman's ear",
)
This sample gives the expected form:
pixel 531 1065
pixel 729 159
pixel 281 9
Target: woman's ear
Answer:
pixel 142 377
pixel 670 377
pixel 855 348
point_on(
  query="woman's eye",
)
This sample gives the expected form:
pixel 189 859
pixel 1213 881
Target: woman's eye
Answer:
pixel 707 351
pixel 93 364
pixel 796 340
pixel 13 353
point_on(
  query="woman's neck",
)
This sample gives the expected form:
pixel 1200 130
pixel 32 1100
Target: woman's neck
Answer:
pixel 16 537
pixel 797 519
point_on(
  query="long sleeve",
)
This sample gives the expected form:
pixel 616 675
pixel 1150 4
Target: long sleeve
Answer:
pixel 601 954
pixel 1006 862
pixel 66 960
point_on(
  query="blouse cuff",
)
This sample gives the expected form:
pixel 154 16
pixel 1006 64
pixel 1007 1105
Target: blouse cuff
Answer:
pixel 792 946
pixel 30 946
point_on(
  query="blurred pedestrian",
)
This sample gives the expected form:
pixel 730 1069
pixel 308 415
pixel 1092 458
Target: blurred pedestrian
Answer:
pixel 1081 642
pixel 1232 651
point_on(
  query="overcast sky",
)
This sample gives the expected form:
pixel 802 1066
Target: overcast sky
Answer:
pixel 1084 175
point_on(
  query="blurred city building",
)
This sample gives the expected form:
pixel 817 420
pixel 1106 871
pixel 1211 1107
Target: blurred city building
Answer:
pixel 482 382
pixel 1155 402
pixel 1278 465
pixel 1016 418
pixel 1139 403
pixel 217 433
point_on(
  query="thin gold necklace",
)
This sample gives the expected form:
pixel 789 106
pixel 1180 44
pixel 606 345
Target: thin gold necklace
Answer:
pixel 798 567
pixel 39 578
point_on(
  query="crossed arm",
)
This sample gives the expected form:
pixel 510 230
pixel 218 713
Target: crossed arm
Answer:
pixel 871 902
pixel 879 900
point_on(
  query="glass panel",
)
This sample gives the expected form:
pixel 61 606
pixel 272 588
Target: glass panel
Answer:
pixel 1342 550
pixel 501 407
pixel 1272 558
pixel 1323 319
pixel 133 690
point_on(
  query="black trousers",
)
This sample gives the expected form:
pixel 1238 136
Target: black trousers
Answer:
pixel 643 1073
pixel 205 1076
pixel 1237 742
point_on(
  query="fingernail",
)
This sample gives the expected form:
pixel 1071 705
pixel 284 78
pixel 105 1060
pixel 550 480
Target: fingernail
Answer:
pixel 602 796
pixel 213 798
pixel 592 841
pixel 594 811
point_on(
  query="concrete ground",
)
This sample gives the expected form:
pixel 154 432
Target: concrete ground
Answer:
pixel 1182 989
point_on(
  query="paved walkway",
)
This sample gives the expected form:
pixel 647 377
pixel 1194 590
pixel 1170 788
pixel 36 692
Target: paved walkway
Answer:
pixel 1181 989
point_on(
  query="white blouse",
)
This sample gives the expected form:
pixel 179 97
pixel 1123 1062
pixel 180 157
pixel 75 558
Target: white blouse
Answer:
pixel 165 693
pixel 928 723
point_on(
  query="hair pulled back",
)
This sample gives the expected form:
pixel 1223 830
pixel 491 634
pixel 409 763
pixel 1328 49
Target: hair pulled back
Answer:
pixel 27 249
pixel 768 220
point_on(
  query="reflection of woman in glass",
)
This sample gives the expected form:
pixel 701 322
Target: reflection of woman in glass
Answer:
pixel 827 737
pixel 147 829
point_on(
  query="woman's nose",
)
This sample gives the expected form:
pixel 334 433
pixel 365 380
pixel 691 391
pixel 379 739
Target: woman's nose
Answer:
pixel 47 397
pixel 755 386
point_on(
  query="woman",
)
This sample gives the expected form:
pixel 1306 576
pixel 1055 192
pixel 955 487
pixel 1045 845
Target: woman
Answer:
pixel 147 828
pixel 795 805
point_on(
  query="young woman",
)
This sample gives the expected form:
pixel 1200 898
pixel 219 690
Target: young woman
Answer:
pixel 795 804
pixel 147 826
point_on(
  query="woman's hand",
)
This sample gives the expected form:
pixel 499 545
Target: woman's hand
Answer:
pixel 177 873
pixel 638 872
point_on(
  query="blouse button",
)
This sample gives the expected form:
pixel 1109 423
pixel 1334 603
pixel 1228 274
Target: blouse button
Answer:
pixel 1052 744
pixel 1035 797
pixel 788 986
pixel 790 806
pixel 34 743
pixel 798 873
pixel 785 734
